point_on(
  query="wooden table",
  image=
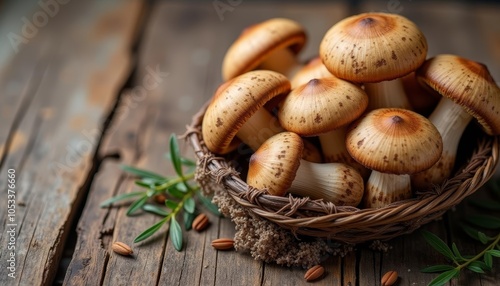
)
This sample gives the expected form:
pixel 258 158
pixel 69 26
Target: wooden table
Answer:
pixel 89 85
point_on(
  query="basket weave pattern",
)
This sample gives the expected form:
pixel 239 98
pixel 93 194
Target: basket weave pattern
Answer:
pixel 347 224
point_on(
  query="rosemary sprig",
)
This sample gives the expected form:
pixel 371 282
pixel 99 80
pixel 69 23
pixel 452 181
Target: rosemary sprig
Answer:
pixel 481 262
pixel 180 193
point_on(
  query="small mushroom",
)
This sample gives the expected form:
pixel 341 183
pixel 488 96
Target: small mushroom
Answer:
pixel 375 49
pixel 394 143
pixel 468 91
pixel 277 167
pixel 322 107
pixel 271 45
pixel 313 69
pixel 237 110
pixel 422 100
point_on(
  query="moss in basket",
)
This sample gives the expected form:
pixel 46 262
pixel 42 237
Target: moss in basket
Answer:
pixel 237 112
pixel 376 49
pixel 277 167
pixel 394 143
pixel 468 91
pixel 270 45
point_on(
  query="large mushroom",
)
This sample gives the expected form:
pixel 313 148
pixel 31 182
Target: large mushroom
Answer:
pixel 468 91
pixel 322 107
pixel 375 49
pixel 271 45
pixel 236 110
pixel 394 143
pixel 277 167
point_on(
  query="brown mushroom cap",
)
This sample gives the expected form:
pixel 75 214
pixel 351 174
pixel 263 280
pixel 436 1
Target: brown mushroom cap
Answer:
pixel 235 102
pixel 313 69
pixel 274 165
pixel 322 105
pixel 467 83
pixel 259 41
pixel 373 47
pixel 395 141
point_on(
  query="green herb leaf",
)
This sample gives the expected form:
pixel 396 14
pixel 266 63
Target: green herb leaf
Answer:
pixel 494 252
pixel 174 191
pixel 437 268
pixel 438 244
pixel 142 173
pixel 482 237
pixel 150 231
pixel 475 269
pixel 150 183
pixel 488 260
pixel 455 250
pixel 488 222
pixel 444 277
pixel 188 219
pixel 480 264
pixel 176 234
pixel 175 155
pixel 171 204
pixel 120 197
pixel 137 205
pixel 189 205
pixel 184 161
pixel 208 204
pixel 155 210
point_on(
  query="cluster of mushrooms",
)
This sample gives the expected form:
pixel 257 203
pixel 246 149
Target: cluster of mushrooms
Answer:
pixel 365 124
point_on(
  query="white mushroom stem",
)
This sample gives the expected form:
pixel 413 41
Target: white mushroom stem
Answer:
pixel 283 61
pixel 261 126
pixel 383 189
pixel 450 120
pixel 335 151
pixel 389 93
pixel 333 182
pixel 258 128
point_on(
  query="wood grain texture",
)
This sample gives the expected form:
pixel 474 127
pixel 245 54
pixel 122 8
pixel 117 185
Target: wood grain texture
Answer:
pixel 58 88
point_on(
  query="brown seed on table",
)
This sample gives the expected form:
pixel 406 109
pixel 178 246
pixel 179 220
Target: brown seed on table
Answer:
pixel 200 222
pixel 223 243
pixel 314 273
pixel 389 278
pixel 121 248
pixel 161 198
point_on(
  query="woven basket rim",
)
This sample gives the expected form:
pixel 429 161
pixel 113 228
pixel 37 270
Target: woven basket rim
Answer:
pixel 347 224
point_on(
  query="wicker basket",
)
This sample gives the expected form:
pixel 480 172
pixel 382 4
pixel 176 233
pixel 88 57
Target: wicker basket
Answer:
pixel 349 224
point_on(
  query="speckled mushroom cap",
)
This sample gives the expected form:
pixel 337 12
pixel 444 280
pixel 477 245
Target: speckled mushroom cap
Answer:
pixel 468 84
pixel 259 41
pixel 235 102
pixel 313 69
pixel 395 141
pixel 322 105
pixel 373 47
pixel 274 165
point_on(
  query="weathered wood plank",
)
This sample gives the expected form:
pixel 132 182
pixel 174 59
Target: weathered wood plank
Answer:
pixel 77 67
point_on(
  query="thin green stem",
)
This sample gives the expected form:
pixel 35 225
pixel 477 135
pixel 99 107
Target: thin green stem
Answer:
pixel 479 255
pixel 174 182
